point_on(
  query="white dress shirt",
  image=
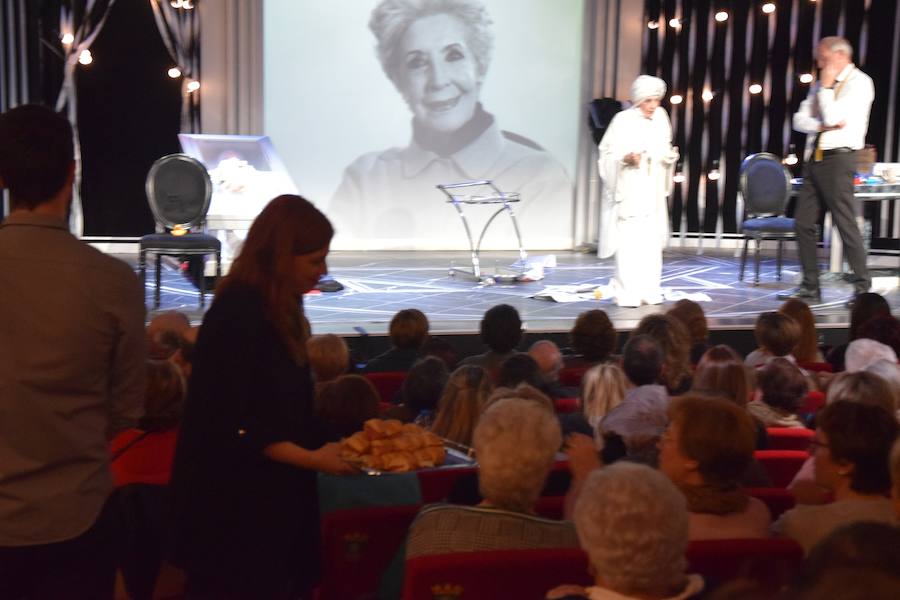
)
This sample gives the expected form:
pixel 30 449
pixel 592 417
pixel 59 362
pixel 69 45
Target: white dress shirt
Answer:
pixel 849 100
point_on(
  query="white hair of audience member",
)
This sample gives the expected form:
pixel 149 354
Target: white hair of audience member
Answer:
pixel 632 522
pixel 548 358
pixel 888 370
pixel 837 44
pixel 863 352
pixel 515 441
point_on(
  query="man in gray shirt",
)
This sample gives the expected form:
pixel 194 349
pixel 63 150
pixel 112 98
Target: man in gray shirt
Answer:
pixel 72 353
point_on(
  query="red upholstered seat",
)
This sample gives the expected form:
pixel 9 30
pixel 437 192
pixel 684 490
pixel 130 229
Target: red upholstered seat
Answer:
pixel 571 376
pixel 387 383
pixel 566 405
pixel 770 561
pixel 436 484
pixel 519 574
pixel 789 438
pixel 550 507
pixel 777 499
pixel 357 546
pixel 812 402
pixel 818 367
pixel 781 465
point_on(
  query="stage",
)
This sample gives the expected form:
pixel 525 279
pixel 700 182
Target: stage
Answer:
pixel 378 284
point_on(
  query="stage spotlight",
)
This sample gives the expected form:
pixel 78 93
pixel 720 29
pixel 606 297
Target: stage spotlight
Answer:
pixel 85 57
pixel 675 23
pixel 193 85
pixel 652 24
pixel 676 99
pixel 707 95
pixel 755 88
pixel 174 72
pixel 768 8
pixel 721 16
pixel 806 78
pixel 67 39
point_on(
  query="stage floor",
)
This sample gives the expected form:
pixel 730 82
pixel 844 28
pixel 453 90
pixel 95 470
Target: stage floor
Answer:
pixel 378 284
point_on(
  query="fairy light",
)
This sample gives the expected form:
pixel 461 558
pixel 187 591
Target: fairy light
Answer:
pixel 714 174
pixel 676 99
pixel 652 24
pixel 85 57
pixel 791 159
pixel 675 23
pixel 755 88
pixel 707 95
pixel 806 78
pixel 722 16
pixel 67 39
pixel 768 8
pixel 174 72
pixel 193 85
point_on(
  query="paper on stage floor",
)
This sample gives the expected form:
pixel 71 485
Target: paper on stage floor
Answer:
pixel 592 292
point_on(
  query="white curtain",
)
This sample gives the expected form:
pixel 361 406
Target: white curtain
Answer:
pixel 180 31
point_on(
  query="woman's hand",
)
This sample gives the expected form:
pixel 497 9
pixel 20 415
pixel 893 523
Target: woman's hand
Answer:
pixel 328 460
pixel 672 156
pixel 632 159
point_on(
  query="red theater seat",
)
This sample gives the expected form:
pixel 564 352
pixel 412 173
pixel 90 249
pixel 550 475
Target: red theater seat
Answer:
pixel 436 484
pixel 812 402
pixel 387 383
pixel 571 376
pixel 789 438
pixel 566 405
pixel 771 562
pixel 781 465
pixel 777 499
pixel 550 507
pixel 519 574
pixel 817 367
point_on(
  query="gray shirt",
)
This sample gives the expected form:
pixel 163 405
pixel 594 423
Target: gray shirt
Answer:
pixel 72 352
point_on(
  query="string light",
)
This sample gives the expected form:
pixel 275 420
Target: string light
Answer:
pixel 174 72
pixel 185 4
pixel 193 85
pixel 806 78
pixel 675 23
pixel 768 8
pixel 67 39
pixel 791 159
pixel 652 24
pixel 722 16
pixel 679 177
pixel 676 99
pixel 714 174
pixel 707 95
pixel 755 88
pixel 85 57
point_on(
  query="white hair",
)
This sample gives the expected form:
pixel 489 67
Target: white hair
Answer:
pixel 863 352
pixel 888 370
pixel 515 441
pixel 837 44
pixel 633 523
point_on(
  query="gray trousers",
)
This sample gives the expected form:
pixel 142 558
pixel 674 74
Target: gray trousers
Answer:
pixel 831 181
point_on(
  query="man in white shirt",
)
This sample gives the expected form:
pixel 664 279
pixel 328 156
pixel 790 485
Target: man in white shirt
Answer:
pixel 836 111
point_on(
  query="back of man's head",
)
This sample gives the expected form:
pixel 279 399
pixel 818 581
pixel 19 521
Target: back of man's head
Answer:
pixel 642 360
pixel 501 328
pixel 548 357
pixel 36 154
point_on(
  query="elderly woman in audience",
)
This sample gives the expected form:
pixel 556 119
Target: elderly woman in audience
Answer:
pixel 851 448
pixel 807 348
pixel 592 339
pixel 408 331
pixel 862 352
pixel 329 357
pixel 673 338
pixel 706 449
pixel 464 397
pixel 866 307
pixel 781 387
pixel 777 334
pixel 515 441
pixel 420 392
pixel 691 316
pixel 343 405
pixel 633 524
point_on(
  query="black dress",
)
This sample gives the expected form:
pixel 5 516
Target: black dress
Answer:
pixel 244 525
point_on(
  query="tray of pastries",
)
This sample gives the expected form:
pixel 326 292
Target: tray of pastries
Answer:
pixel 389 445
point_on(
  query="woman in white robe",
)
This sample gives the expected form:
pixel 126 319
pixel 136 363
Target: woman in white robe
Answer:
pixel 636 163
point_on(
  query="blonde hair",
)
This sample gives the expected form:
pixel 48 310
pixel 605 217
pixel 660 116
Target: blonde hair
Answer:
pixel 464 397
pixel 603 388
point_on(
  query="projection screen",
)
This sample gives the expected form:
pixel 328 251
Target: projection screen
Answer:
pixel 371 106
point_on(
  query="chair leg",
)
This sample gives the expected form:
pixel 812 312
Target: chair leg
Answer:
pixel 744 258
pixel 778 260
pixel 142 269
pixel 201 281
pixel 158 280
pixel 756 256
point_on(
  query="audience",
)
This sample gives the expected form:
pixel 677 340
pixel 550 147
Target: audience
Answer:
pixel 461 404
pixel 781 388
pixel 863 352
pixel 675 345
pixel 408 331
pixel 706 449
pixel 592 339
pixel 519 368
pixel 184 355
pixel 895 478
pixel 549 361
pixel 329 357
pixel 163 333
pixel 851 448
pixel 441 348
pixel 889 371
pixel 807 348
pixel 776 335
pixel 691 316
pixel 866 306
pixel 420 392
pixel 633 525
pixel 501 332
pixel 721 369
pixel 603 388
pixel 884 329
pixel 344 404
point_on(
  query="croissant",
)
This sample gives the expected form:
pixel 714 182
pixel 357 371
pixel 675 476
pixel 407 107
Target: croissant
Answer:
pixel 399 461
pixel 383 446
pixel 358 443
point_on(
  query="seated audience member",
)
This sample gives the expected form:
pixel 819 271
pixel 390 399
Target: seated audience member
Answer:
pixel 549 361
pixel 884 329
pixel 895 478
pixel 691 316
pixel 444 350
pixel 776 335
pixel 516 441
pixel 890 372
pixel 329 357
pixel 862 352
pixel 633 428
pixel 706 449
pixel 866 307
pixel 501 332
pixel 781 387
pixel 633 525
pixel 344 404
pixel 420 392
pixel 523 391
pixel 721 370
pixel 145 454
pixel 807 348
pixel 675 344
pixel 160 344
pixel 518 368
pixel 603 388
pixel 184 355
pixel 592 339
pixel 852 444
pixel 461 404
pixel 408 331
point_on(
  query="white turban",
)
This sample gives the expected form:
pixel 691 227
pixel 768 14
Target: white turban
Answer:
pixel 647 86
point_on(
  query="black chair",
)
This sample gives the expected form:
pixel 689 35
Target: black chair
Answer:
pixel 178 191
pixel 765 186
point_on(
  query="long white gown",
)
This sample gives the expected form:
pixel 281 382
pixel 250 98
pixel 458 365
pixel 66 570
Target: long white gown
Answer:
pixel 634 222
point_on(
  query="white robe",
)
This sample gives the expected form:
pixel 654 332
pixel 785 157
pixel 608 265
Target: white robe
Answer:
pixel 634 222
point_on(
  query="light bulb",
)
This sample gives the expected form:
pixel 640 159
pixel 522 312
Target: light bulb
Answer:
pixel 85 57
pixel 755 88
pixel 768 8
pixel 652 24
pixel 721 16
pixel 806 78
pixel 193 85
pixel 176 3
pixel 707 95
pixel 67 39
pixel 791 159
pixel 676 99
pixel 713 175
pixel 679 178
pixel 674 23
pixel 174 72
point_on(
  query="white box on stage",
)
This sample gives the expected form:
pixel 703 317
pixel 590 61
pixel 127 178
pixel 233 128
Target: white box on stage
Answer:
pixel 246 173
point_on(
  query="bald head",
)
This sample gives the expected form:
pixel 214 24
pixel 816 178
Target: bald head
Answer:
pixel 548 357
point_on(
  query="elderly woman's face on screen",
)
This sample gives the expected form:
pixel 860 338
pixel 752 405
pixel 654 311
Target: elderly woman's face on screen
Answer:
pixel 438 72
